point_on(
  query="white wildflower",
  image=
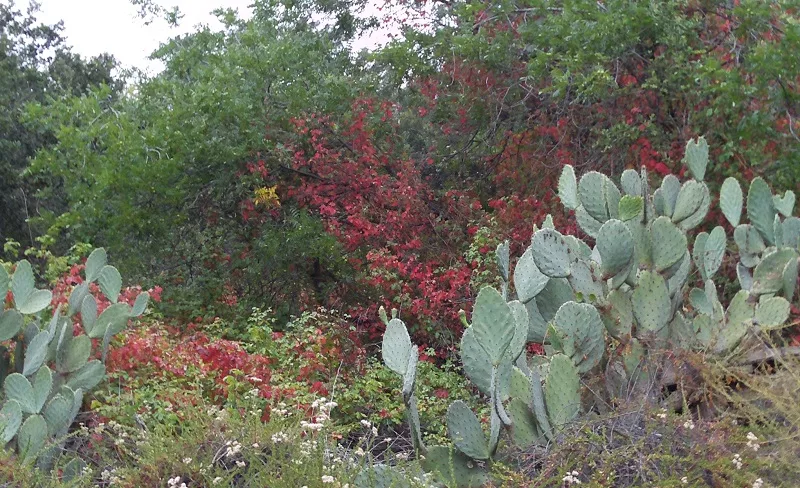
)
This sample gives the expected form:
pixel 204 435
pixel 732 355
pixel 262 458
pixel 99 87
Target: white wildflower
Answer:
pixel 752 441
pixel 327 479
pixel 187 460
pixel 737 461
pixel 758 483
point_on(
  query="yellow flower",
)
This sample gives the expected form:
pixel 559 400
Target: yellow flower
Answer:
pixel 267 196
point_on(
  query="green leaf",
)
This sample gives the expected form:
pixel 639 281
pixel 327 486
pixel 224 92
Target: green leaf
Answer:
pixel 110 283
pixel 95 263
pixel 731 200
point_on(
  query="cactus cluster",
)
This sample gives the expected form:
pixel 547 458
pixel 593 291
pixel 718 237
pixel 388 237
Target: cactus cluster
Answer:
pixel 608 306
pixel 52 368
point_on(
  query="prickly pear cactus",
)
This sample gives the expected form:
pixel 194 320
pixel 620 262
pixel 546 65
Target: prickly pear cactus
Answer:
pixel 609 305
pixel 44 383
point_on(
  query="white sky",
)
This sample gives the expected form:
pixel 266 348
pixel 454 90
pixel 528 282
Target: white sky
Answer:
pixel 96 26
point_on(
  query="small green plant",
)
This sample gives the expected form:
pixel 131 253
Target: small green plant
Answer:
pixel 47 368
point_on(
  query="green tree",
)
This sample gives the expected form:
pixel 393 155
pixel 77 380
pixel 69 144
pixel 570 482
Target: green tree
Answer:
pixel 36 66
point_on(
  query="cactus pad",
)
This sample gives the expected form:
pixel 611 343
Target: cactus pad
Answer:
pixel 465 431
pixel 651 304
pixel 562 391
pixel 669 243
pixel 696 157
pixel 615 245
pixel 528 280
pixel 492 324
pixel 761 209
pixel 551 253
pixel 731 201
pixel 397 347
pixel 772 313
pixel 580 331
pixel 568 188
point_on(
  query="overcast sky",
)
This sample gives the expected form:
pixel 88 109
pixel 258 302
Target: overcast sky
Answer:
pixel 96 26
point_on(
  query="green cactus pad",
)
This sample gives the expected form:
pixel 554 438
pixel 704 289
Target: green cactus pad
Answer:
pixel 613 197
pixel 698 217
pixel 74 355
pixel 453 468
pixel 580 329
pixel 27 299
pixel 698 253
pixel 74 469
pixel 676 282
pixel 768 275
pixel 772 313
pixel 568 188
pixel 784 204
pixel 668 195
pixel 651 304
pixel 681 332
pixel 562 391
pixel 761 209
pixel 748 239
pixel 714 251
pixel 465 431
pixel 502 256
pixel 57 415
pixel 31 437
pixel 492 323
pixel 592 195
pixel 88 376
pixel 618 314
pixel 744 277
pixel 381 476
pixel 791 232
pixel 631 184
pixel 478 368
pixel 641 241
pixel 537 326
pixel 696 157
pixel 587 223
pixel 95 263
pixel 517 345
pixel 35 353
pixel 551 253
pixel 76 297
pixel 114 317
pixel 4 281
pixel 689 200
pixel 18 388
pixel 583 282
pixel 669 243
pixel 10 420
pixel 538 404
pixel 396 348
pixel 699 301
pixel 731 200
pixel 110 283
pixel 615 245
pixel 10 324
pixel 410 376
pixel 790 279
pixel 528 280
pixel 557 292
pixel 739 318
pixel 631 208
pixel 524 431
